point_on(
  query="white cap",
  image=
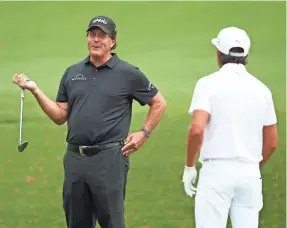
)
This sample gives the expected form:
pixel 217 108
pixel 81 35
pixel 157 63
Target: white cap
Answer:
pixel 232 37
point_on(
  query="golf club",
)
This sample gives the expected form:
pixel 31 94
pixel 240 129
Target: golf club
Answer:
pixel 22 145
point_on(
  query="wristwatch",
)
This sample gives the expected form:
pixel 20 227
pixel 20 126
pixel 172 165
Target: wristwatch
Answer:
pixel 146 132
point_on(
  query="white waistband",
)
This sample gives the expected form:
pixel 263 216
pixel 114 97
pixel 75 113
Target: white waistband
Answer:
pixel 232 166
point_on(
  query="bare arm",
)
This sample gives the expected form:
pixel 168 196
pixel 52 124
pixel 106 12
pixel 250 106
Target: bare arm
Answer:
pixel 270 141
pixel 157 109
pixel 195 136
pixel 136 140
pixel 56 111
pixel 269 132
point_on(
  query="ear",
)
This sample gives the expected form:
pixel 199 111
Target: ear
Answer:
pixel 113 43
pixel 218 53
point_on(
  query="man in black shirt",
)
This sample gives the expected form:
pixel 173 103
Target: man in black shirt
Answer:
pixel 95 97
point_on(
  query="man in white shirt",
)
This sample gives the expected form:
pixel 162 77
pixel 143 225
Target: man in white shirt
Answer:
pixel 234 129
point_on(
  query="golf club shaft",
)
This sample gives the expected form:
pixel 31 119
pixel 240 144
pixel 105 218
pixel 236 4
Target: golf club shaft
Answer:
pixel 21 115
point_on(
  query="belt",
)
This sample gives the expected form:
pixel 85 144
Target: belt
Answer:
pixel 92 150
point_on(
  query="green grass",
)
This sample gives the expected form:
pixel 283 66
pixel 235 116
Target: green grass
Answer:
pixel 170 42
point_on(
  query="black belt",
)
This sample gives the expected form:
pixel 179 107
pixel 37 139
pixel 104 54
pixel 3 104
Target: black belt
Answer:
pixel 92 150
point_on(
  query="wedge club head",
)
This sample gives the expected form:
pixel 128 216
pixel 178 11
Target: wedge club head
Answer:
pixel 22 146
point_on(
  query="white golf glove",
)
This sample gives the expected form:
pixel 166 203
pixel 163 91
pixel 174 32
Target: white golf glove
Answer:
pixel 189 177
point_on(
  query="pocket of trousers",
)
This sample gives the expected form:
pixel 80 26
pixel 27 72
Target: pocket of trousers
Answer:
pixel 249 193
pixel 126 166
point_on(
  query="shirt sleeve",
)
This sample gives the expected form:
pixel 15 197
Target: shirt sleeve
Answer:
pixel 62 92
pixel 201 98
pixel 143 90
pixel 270 115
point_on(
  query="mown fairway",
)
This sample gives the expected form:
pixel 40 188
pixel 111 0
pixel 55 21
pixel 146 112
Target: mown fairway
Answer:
pixel 170 42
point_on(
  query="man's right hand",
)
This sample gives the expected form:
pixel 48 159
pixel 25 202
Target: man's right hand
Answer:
pixel 24 82
pixel 188 179
pixel 57 111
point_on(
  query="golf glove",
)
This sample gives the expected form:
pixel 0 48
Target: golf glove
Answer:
pixel 188 179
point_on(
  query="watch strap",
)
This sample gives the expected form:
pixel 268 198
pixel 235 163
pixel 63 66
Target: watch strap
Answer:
pixel 146 132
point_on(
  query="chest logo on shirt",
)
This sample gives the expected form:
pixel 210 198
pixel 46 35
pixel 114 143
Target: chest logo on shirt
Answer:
pixel 79 77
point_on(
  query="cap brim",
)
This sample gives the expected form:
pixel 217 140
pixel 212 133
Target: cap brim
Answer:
pixel 101 27
pixel 214 41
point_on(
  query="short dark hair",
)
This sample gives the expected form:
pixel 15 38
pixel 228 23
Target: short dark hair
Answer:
pixel 223 59
pixel 116 43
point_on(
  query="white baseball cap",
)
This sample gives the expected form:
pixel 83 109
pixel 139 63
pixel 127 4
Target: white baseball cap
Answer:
pixel 232 37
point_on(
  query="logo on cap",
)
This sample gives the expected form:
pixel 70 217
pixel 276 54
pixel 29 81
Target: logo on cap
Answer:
pixel 101 20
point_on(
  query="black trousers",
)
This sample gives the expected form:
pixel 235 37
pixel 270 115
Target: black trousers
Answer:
pixel 94 189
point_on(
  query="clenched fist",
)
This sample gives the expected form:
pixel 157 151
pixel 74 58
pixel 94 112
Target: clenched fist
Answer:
pixel 24 82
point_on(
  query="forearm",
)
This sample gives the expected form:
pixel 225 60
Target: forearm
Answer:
pixel 155 114
pixel 267 153
pixel 50 107
pixel 270 142
pixel 194 141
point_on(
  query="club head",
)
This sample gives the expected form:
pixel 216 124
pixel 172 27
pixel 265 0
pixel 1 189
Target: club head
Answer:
pixel 22 146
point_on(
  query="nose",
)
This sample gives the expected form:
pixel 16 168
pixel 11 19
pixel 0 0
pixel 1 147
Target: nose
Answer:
pixel 96 39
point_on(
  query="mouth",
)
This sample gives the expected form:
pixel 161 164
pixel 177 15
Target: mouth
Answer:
pixel 96 47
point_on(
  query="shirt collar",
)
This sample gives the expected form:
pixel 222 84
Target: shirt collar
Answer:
pixel 234 67
pixel 110 63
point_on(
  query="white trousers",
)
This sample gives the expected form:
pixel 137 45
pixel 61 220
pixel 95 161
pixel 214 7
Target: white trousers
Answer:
pixel 228 188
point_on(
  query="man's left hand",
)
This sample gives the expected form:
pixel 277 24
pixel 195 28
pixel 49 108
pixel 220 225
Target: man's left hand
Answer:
pixel 133 142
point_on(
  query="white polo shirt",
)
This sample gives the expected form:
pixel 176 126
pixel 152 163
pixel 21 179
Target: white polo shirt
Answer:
pixel 239 106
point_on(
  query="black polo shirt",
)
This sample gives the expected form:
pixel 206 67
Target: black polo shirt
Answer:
pixel 100 99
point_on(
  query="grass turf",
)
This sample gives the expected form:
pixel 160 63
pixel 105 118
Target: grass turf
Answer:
pixel 170 42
